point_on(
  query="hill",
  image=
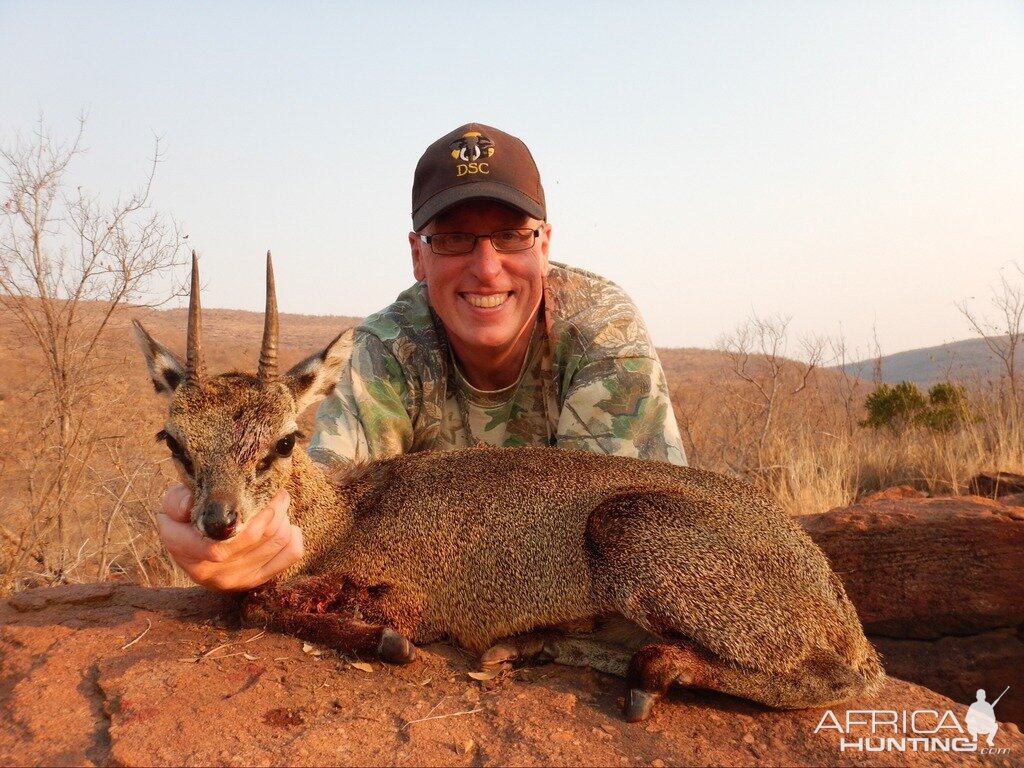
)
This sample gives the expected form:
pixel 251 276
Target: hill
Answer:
pixel 962 361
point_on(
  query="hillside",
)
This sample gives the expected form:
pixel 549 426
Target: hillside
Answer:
pixel 962 361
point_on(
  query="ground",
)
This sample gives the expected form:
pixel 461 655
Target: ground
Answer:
pixel 116 674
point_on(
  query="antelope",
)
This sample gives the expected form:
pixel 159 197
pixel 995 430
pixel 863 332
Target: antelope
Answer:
pixel 661 574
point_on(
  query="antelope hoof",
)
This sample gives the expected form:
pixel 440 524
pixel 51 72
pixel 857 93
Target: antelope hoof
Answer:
pixel 638 705
pixel 394 648
pixel 523 650
pixel 497 655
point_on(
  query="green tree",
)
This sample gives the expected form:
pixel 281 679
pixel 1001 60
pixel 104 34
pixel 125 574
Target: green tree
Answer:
pixel 894 407
pixel 902 406
pixel 947 407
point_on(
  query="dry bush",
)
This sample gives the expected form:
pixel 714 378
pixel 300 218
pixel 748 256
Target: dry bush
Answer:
pixel 794 429
pixel 809 468
pixel 68 263
pixel 112 479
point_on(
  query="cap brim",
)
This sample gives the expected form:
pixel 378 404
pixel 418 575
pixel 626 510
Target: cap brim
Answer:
pixel 480 190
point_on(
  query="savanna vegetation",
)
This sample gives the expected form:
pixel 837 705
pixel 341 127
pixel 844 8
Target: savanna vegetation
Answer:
pixel 82 475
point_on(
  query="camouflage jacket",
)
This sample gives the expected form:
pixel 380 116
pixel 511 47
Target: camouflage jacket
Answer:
pixel 591 381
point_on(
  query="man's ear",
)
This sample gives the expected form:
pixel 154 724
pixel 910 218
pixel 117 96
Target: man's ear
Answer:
pixel 545 244
pixel 316 376
pixel 165 370
pixel 416 246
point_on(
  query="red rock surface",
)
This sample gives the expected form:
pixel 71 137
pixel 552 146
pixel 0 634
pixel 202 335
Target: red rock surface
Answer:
pixel 938 584
pixel 105 675
pixel 928 568
pixel 958 666
pixel 996 484
pixel 891 493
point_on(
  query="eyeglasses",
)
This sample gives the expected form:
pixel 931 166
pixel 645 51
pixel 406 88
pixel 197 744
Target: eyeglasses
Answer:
pixel 459 243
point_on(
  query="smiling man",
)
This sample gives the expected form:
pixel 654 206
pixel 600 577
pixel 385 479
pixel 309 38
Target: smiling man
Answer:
pixel 493 345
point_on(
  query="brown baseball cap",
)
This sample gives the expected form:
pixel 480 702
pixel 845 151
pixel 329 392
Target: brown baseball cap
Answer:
pixel 472 162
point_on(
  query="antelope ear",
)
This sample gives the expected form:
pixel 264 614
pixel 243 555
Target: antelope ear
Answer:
pixel 316 376
pixel 165 370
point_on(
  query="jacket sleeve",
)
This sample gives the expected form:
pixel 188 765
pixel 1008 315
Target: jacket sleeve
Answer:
pixel 620 406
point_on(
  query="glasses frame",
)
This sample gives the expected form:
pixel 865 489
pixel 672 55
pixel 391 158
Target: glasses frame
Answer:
pixel 429 240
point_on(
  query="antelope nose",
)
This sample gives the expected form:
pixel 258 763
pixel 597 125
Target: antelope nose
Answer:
pixel 219 520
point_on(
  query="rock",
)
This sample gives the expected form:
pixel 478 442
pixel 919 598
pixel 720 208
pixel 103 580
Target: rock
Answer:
pixel 927 568
pixel 1012 500
pixel 994 485
pixel 958 666
pixel 937 583
pixel 892 493
pixel 116 681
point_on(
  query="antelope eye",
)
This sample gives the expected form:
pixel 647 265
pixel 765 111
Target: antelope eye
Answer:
pixel 176 450
pixel 172 445
pixel 282 450
pixel 285 445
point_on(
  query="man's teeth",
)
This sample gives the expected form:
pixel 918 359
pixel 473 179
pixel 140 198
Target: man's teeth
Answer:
pixel 486 302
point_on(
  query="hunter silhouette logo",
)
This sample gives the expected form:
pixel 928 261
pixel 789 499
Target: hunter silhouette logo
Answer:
pixel 470 147
pixel 981 717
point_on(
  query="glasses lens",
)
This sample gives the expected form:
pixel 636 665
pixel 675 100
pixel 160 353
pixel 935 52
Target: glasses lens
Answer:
pixel 457 243
pixel 452 243
pixel 512 239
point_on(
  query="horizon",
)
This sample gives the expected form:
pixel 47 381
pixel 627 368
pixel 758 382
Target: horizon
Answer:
pixel 977 341
pixel 860 170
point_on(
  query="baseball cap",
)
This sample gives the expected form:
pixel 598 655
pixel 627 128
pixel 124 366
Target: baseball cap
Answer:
pixel 473 162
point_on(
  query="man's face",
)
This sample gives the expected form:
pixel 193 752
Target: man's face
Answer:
pixel 486 299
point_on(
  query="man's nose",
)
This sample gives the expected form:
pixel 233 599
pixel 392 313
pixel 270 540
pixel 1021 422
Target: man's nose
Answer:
pixel 487 262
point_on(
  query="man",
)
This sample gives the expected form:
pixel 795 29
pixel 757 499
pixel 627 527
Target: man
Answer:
pixel 493 345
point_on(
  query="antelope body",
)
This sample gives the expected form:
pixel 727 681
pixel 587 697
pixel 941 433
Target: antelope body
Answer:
pixel 662 574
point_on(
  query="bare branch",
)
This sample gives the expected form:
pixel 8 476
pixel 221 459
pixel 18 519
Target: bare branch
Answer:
pixel 68 262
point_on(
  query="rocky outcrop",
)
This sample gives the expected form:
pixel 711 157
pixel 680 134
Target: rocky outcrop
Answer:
pixel 893 493
pixel 959 666
pixel 1012 500
pixel 114 674
pixel 938 585
pixel 928 568
pixel 995 485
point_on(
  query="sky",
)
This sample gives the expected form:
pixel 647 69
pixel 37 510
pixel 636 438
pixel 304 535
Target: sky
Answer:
pixel 856 167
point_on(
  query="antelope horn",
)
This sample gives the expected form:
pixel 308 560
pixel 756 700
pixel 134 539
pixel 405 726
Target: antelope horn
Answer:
pixel 268 354
pixel 194 368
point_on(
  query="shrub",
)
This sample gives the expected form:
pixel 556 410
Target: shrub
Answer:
pixel 902 406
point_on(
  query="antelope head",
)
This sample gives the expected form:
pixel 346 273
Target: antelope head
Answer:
pixel 231 436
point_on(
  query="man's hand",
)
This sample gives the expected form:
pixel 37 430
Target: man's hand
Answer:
pixel 266 546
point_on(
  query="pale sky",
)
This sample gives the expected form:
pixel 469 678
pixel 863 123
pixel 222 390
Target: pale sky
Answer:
pixel 857 166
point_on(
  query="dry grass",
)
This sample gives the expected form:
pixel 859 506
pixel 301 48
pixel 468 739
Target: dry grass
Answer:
pixel 814 456
pixel 818 457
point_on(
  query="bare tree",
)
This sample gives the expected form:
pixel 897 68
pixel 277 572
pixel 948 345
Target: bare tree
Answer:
pixel 1005 338
pixel 67 262
pixel 757 355
pixel 846 386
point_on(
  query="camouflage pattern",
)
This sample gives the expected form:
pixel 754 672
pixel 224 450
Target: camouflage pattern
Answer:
pixel 591 381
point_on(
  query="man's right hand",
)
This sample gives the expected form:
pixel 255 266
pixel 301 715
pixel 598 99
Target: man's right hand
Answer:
pixel 266 546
